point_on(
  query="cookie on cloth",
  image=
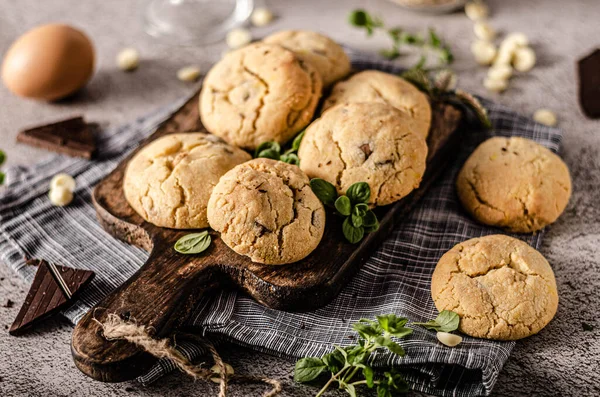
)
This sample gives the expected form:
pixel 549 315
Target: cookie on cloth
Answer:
pixel 327 56
pixel 266 210
pixel 365 142
pixel 168 182
pixel 501 287
pixel 514 183
pixel 377 86
pixel 259 93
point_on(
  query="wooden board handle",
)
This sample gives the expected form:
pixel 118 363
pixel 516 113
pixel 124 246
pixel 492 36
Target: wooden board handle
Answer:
pixel 162 292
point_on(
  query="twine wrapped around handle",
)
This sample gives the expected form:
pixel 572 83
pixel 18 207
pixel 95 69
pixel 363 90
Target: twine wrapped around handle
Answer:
pixel 114 327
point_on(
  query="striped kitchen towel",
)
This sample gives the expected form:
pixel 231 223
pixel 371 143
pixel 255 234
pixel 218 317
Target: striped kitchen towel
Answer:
pixel 396 279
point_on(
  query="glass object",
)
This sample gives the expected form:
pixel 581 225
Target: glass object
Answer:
pixel 431 6
pixel 195 22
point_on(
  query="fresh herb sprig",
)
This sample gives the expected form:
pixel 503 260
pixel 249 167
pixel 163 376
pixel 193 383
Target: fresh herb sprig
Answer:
pixel 358 218
pixel 272 150
pixel 193 243
pixel 442 88
pixel 446 321
pixel 2 160
pixel 345 363
pixel 431 42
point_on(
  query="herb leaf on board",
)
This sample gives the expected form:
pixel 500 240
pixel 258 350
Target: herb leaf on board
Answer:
pixel 446 321
pixel 193 243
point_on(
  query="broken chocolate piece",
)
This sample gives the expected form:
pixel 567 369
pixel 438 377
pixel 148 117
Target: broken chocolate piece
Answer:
pixel 589 84
pixel 53 288
pixel 73 137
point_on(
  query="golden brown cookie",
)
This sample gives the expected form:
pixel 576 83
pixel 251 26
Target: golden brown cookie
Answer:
pixel 499 286
pixel 514 183
pixel 365 142
pixel 327 56
pixel 169 181
pixel 376 86
pixel 266 210
pixel 259 93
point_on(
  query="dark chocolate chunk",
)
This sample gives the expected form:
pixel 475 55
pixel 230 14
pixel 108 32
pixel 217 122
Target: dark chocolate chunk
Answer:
pixel 53 288
pixel 589 84
pixel 73 137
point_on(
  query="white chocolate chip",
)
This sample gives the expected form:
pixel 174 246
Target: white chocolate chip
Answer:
pixel 188 73
pixel 476 10
pixel 495 85
pixel 237 38
pixel 484 52
pixel 500 72
pixel 63 180
pixel 546 117
pixel 216 370
pixel 60 196
pixel 449 339
pixel 128 59
pixel 261 17
pixel 518 39
pixel 484 31
pixel 524 59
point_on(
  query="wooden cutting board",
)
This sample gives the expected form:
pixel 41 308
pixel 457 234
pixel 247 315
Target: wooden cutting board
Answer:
pixel 162 293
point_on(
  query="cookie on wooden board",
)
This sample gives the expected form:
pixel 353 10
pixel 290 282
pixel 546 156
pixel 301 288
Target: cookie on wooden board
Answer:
pixel 266 210
pixel 514 183
pixel 365 142
pixel 501 287
pixel 377 86
pixel 259 93
pixel 169 181
pixel 327 56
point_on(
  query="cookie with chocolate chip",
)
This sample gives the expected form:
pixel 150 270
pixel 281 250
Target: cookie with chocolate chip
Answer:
pixel 365 142
pixel 266 210
pixel 259 93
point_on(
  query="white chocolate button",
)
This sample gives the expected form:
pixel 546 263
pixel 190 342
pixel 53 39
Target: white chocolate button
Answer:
pixel 546 117
pixel 449 339
pixel 476 11
pixel 524 59
pixel 60 196
pixel 63 180
pixel 128 59
pixel 495 85
pixel 518 39
pixel 261 17
pixel 237 38
pixel 484 52
pixel 188 73
pixel 500 72
pixel 484 31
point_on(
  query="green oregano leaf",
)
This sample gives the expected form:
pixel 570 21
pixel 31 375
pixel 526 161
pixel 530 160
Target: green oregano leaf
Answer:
pixel 359 192
pixel 2 177
pixel 290 158
pixel 350 389
pixel 359 18
pixel 269 154
pixel 368 374
pixel 396 382
pixel 308 369
pixel 297 141
pixel 434 39
pixel 390 54
pixel 446 321
pixel 2 157
pixel 369 219
pixel 356 220
pixel 343 205
pixel 390 345
pixel 270 146
pixel 193 243
pixel 324 190
pixel 353 234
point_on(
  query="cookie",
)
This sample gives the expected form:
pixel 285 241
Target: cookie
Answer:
pixel 365 142
pixel 327 56
pixel 515 184
pixel 376 86
pixel 499 286
pixel 266 210
pixel 169 181
pixel 259 93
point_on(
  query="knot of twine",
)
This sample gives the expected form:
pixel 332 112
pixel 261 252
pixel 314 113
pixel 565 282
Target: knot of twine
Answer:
pixel 114 327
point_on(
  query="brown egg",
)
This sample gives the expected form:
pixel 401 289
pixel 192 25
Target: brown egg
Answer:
pixel 48 62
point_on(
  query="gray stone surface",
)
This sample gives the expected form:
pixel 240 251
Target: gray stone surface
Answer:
pixel 562 360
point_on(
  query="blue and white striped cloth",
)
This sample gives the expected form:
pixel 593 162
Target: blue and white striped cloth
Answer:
pixel 396 279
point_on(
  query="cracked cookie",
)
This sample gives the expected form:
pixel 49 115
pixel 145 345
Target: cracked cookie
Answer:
pixel 168 182
pixel 499 286
pixel 514 183
pixel 259 93
pixel 327 56
pixel 365 142
pixel 266 210
pixel 376 86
